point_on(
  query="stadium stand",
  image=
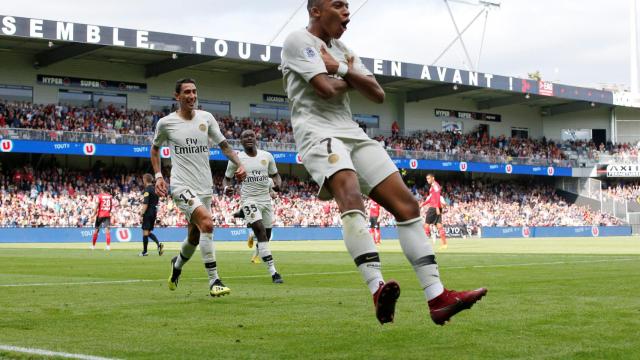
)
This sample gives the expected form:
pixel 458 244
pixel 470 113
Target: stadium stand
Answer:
pixel 51 196
pixel 120 126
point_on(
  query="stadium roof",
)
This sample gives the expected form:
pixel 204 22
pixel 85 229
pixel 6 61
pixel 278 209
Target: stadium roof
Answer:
pixel 51 42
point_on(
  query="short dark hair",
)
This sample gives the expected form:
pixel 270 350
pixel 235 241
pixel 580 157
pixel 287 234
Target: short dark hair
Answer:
pixel 431 174
pixel 183 81
pixel 312 4
pixel 148 178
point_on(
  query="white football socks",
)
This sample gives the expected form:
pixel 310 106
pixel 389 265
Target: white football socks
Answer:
pixel 360 245
pixel 209 256
pixel 418 250
pixel 265 255
pixel 186 252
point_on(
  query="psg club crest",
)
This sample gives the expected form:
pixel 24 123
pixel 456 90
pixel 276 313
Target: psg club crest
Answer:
pixel 6 145
pixel 165 152
pixel 508 169
pixel 89 149
pixel 550 171
pixel 298 159
pixel 526 231
pixel 413 164
pixel 463 166
pixel 595 231
pixel 123 235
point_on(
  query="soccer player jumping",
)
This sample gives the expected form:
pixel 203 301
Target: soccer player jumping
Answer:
pixel 318 71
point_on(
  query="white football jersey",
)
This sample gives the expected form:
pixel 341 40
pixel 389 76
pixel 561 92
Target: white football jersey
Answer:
pixel 312 117
pixel 255 187
pixel 189 144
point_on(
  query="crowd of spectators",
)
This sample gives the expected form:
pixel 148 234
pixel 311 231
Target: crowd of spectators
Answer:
pixel 607 152
pixel 61 198
pixel 629 190
pixel 111 124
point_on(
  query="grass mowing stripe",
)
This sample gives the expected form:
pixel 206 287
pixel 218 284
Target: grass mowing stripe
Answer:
pixel 23 350
pixel 134 281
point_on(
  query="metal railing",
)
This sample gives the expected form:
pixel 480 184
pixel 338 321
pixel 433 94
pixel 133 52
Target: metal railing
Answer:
pixel 127 139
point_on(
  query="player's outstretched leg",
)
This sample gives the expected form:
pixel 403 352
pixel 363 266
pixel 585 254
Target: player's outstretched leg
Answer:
pixel 443 303
pixel 175 274
pixel 263 250
pixel 186 252
pixel 216 287
pixel 345 188
pixel 361 247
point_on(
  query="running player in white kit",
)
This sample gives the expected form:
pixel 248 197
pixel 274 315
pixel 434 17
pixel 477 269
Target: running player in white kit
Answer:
pixel 188 133
pixel 318 71
pixel 255 197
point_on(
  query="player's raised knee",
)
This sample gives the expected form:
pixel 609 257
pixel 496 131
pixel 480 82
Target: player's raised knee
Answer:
pixel 206 226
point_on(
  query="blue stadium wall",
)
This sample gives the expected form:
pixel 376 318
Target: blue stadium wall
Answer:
pixel 142 151
pixel 75 235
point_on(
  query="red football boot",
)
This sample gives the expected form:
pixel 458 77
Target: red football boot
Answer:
pixel 385 300
pixel 451 302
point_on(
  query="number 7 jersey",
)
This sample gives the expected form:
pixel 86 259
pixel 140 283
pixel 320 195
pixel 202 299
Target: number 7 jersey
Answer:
pixel 255 187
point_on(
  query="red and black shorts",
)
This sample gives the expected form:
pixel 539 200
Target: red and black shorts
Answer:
pixel 433 217
pixel 103 220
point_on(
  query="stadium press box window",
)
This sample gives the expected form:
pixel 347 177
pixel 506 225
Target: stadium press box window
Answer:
pixel 272 112
pixel 519 133
pixel 15 93
pixel 91 99
pixel 372 121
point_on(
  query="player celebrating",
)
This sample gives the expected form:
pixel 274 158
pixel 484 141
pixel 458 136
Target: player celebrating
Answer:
pixel 318 71
pixel 374 223
pixel 435 202
pixel 255 195
pixel 187 131
pixel 103 216
pixel 149 212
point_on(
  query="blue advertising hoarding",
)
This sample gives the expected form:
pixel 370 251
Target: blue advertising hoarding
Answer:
pixel 142 151
pixel 554 231
pixel 175 234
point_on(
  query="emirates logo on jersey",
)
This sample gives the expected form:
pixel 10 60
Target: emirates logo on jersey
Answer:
pixel 6 145
pixel 89 149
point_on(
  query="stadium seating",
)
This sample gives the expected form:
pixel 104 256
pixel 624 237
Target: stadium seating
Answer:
pixel 130 126
pixel 60 198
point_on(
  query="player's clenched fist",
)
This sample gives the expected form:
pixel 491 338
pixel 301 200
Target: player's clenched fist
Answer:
pixel 241 173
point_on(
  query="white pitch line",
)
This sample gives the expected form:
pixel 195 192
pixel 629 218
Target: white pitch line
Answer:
pixel 51 353
pixel 134 281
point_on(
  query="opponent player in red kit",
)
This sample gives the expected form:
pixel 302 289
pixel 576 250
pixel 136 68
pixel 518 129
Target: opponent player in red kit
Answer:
pixel 434 213
pixel 103 216
pixel 374 224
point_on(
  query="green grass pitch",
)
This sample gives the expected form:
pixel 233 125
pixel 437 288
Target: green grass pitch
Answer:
pixel 548 299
